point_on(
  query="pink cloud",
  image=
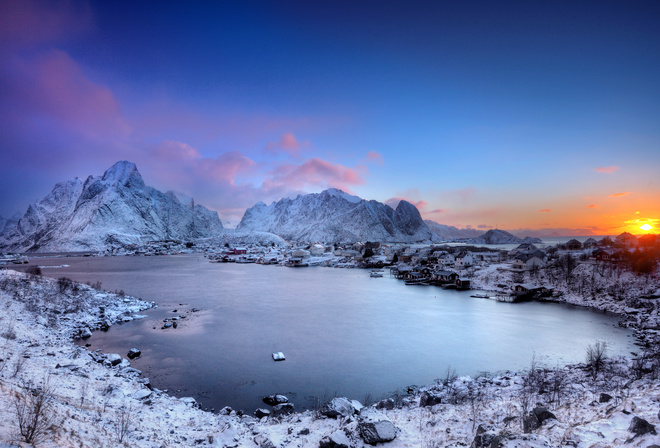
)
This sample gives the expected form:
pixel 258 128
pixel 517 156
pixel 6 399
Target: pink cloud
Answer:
pixel 373 156
pixel 607 169
pixel 394 202
pixel 462 195
pixel 618 195
pixel 438 211
pixel 288 143
pixel 545 210
pixel 53 87
pixel 170 150
pixel 315 172
pixel 592 206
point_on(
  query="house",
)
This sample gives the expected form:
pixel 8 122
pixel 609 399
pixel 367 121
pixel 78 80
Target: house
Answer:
pixel 573 244
pixel 626 240
pixel 443 276
pixel 462 283
pixel 463 260
pixel 446 259
pixel 527 262
pixel 523 248
pixel 316 250
pixel 590 243
pixel 240 251
pixel 601 255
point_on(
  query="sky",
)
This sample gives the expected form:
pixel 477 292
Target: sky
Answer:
pixel 535 117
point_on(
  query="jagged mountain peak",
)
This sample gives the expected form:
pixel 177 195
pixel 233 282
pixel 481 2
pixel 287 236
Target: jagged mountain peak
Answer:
pixel 116 209
pixel 123 173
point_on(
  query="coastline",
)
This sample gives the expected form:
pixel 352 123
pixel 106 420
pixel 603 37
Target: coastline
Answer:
pixel 90 396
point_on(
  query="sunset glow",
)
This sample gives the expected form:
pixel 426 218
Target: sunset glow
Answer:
pixel 473 114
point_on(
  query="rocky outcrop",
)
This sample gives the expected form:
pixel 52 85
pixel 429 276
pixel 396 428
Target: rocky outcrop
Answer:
pixel 338 407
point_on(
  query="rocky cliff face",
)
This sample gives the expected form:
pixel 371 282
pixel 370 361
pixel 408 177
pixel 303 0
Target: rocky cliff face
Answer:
pixel 335 216
pixel 112 210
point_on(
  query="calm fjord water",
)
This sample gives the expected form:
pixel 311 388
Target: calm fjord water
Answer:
pixel 343 333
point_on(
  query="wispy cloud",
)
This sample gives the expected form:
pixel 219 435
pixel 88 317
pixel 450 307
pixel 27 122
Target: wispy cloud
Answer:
pixel 545 210
pixel 607 169
pixel 288 143
pixel 618 195
pixel 373 156
pixel 593 206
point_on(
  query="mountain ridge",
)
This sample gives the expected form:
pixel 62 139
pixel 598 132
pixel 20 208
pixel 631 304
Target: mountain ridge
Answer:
pixel 115 209
pixel 336 216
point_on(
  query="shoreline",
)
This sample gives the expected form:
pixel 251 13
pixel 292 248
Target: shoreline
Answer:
pixel 416 419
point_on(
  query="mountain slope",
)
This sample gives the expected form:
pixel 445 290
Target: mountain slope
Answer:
pixel 450 232
pixel 334 216
pixel 115 209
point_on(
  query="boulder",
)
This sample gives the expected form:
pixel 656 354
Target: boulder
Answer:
pixel 190 402
pixel 639 427
pixel 282 409
pixel 142 394
pixel 542 414
pixel 263 442
pixel 227 411
pixel 388 403
pixel 338 406
pixel 85 333
pixel 484 437
pixel 261 413
pixel 133 353
pixel 430 399
pixel 604 398
pixel 374 427
pixel 275 399
pixel 113 359
pixel 337 439
pixel 357 406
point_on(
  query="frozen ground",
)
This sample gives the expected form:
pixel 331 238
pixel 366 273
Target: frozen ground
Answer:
pixel 94 404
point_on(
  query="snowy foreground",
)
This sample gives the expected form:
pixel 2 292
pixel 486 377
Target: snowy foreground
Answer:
pixel 89 402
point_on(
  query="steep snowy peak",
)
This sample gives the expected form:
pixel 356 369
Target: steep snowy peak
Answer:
pixel 333 215
pixel 116 209
pixel 124 173
pixel 341 194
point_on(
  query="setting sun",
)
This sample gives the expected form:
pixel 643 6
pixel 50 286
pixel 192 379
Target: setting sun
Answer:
pixel 646 227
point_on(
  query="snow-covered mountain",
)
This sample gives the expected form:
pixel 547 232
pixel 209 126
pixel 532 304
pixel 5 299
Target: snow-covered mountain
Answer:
pixel 450 232
pixel 335 216
pixel 8 223
pixel 112 210
pixel 496 236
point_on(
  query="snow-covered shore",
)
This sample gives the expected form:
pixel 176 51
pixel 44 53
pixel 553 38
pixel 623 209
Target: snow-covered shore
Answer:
pixel 96 404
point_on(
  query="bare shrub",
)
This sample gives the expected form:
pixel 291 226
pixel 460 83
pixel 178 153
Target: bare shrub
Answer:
pixel 595 357
pixel 34 271
pixel 33 410
pixel 9 332
pixel 18 365
pixel 64 283
pixel 123 423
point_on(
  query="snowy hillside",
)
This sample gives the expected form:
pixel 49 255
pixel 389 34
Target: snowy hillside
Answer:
pixel 333 215
pixel 113 210
pixel 496 236
pixel 450 232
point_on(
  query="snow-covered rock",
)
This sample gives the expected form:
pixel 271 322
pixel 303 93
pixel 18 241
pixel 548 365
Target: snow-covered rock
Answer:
pixel 333 215
pixel 375 427
pixel 116 209
pixel 338 407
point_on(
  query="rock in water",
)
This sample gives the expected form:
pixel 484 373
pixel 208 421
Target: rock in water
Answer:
pixel 275 399
pixel 133 353
pixel 282 409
